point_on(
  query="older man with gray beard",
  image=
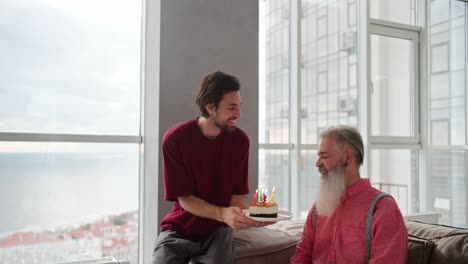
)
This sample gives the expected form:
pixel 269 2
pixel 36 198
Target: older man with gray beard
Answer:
pixel 351 222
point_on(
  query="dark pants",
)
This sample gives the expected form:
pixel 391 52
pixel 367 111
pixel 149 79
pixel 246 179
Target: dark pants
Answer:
pixel 173 248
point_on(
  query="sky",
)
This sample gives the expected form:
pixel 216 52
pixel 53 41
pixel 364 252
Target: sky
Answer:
pixel 68 67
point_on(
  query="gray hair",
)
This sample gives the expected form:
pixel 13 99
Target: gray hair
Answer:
pixel 347 135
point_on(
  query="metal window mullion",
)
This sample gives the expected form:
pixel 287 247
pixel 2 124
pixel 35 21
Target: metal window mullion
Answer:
pixel 276 146
pixel 392 140
pixel 295 105
pixel 372 146
pixel 364 78
pixel 391 24
pixel 310 146
pixel 466 73
pixel 393 32
pixel 424 155
pixel 150 183
pixel 448 147
pixel 415 86
pixel 72 138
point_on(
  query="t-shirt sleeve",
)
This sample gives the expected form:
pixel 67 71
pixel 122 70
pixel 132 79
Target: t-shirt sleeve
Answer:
pixel 176 179
pixel 242 186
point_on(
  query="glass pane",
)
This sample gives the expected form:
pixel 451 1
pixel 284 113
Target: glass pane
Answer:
pixel 439 132
pixel 66 201
pixel 391 99
pixel 70 66
pixel 447 78
pixel 395 171
pixel 328 49
pixel 322 26
pixel 439 83
pixel 439 11
pixel 457 8
pixel 274 72
pixel 457 129
pixel 352 13
pixel 447 181
pixel 448 187
pixel 401 11
pixel 274 172
pixel 309 182
pixel 439 58
pixel 457 49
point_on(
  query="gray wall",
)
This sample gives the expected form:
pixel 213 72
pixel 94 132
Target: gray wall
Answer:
pixel 199 37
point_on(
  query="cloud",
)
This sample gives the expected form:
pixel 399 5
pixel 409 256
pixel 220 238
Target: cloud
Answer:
pixel 67 68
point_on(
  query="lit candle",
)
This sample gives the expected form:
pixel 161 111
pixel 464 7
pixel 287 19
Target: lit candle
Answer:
pixel 272 196
pixel 261 196
pixel 255 196
pixel 265 195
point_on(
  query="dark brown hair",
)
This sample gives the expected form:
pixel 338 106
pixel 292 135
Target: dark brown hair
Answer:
pixel 212 89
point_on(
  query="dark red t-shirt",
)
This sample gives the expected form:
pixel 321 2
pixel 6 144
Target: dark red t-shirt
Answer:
pixel 211 169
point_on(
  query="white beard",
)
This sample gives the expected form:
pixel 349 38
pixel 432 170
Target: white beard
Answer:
pixel 332 189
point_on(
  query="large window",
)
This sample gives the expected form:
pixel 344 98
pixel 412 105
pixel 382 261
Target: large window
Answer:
pixel 328 87
pixel 316 88
pixel 393 113
pixel 362 69
pixel 275 114
pixel 447 100
pixel 69 130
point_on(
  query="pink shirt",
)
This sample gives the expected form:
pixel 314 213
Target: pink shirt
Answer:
pixel 340 238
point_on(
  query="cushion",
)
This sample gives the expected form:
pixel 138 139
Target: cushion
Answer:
pixel 419 250
pixel 452 248
pixel 270 244
pixel 427 231
pixel 450 244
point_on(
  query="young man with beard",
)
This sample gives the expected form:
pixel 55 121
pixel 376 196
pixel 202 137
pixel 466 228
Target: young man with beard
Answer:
pixel 206 176
pixel 335 229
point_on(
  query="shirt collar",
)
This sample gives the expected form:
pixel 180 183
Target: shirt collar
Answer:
pixel 357 187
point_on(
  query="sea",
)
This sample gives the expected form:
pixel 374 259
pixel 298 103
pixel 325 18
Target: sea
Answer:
pixel 48 190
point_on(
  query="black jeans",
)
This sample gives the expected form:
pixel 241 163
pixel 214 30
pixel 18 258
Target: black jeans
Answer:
pixel 173 248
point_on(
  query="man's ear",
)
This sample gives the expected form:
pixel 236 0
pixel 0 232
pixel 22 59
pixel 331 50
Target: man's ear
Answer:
pixel 210 108
pixel 349 157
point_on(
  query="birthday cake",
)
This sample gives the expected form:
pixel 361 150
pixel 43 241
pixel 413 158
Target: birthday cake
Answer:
pixel 261 206
pixel 264 209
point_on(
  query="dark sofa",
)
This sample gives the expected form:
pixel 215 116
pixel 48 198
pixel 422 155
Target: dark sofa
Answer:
pixel 427 243
pixel 432 243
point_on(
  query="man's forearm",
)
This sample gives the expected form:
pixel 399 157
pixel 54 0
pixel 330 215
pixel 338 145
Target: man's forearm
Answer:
pixel 200 207
pixel 239 201
pixel 232 216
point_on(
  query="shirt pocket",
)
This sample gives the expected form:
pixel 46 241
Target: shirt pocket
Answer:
pixel 353 244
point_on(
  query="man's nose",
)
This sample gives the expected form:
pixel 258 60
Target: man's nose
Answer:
pixel 237 113
pixel 318 163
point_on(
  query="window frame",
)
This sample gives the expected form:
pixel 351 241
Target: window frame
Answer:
pixel 414 142
pixel 400 31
